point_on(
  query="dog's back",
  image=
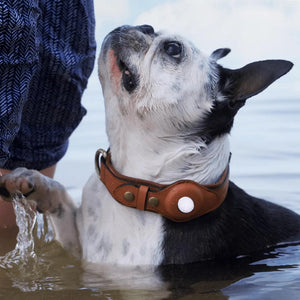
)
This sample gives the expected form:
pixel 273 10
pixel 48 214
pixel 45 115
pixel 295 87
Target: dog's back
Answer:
pixel 242 225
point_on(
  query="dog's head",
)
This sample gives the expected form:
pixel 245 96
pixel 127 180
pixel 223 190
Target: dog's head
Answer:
pixel 164 81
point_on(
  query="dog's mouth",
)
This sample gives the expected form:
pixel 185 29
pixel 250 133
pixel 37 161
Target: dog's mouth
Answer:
pixel 123 45
pixel 129 79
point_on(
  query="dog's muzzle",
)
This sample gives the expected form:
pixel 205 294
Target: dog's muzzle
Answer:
pixel 181 201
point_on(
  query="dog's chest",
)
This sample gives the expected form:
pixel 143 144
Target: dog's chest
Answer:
pixel 115 234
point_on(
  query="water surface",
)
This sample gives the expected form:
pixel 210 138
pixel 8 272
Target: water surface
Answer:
pixel 265 162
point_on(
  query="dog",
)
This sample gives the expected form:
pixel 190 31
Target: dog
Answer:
pixel 161 194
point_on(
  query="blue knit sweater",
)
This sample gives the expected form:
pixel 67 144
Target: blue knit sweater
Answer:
pixel 47 51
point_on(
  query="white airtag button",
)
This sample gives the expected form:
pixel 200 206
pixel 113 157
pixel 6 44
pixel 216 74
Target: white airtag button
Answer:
pixel 185 205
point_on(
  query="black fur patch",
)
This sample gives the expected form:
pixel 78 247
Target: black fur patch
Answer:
pixel 219 120
pixel 242 225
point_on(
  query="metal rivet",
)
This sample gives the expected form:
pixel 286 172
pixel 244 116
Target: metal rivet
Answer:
pixel 128 196
pixel 153 201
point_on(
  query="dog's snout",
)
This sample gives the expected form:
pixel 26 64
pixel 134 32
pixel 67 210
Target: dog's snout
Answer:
pixel 146 29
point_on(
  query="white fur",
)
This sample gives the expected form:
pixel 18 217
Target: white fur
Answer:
pixel 115 234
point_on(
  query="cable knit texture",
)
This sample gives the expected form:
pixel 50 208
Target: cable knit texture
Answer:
pixel 47 52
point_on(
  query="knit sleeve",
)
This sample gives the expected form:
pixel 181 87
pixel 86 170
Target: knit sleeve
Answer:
pixel 18 60
pixel 53 109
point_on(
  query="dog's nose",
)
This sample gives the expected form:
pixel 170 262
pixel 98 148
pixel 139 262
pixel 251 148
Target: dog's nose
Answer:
pixel 146 29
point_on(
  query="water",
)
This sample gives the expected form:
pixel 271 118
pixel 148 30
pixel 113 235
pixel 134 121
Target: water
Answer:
pixel 23 252
pixel 53 274
pixel 265 162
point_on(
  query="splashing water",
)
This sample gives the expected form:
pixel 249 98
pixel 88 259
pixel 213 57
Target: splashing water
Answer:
pixel 24 250
pixel 37 261
pixel 23 265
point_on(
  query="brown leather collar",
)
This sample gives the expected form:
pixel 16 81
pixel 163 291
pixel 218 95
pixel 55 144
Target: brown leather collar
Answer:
pixel 181 201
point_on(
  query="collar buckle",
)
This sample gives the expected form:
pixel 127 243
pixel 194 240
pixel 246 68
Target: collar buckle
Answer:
pixel 102 153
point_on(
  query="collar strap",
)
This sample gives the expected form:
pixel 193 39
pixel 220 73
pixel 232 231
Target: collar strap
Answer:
pixel 181 201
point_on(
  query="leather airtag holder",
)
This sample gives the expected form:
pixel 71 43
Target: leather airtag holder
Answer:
pixel 181 201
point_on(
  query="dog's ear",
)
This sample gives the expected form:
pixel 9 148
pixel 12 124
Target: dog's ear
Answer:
pixel 241 84
pixel 219 53
pixel 237 86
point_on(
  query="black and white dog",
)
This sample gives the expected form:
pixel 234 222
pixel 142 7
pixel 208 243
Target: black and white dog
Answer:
pixel 169 112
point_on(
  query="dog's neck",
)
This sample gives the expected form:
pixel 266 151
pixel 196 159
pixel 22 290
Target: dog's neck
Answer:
pixel 143 154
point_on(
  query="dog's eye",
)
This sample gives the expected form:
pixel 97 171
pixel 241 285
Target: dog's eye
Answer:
pixel 173 49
